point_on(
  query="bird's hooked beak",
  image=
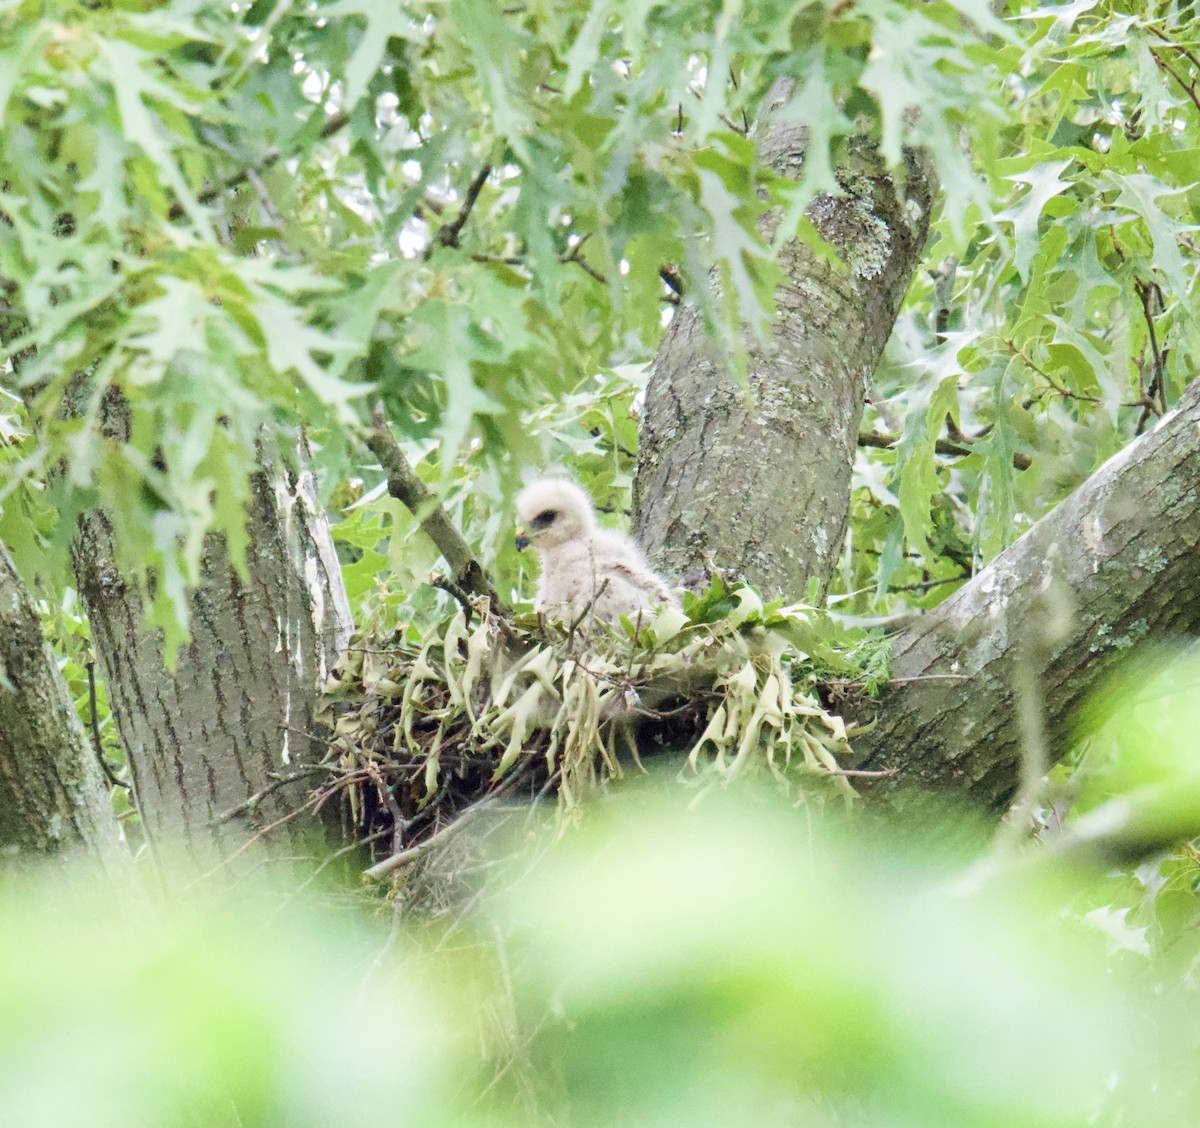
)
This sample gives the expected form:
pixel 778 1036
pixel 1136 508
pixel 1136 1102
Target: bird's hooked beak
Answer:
pixel 522 540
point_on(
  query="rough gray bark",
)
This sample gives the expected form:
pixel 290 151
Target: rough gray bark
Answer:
pixel 1116 563
pixel 52 793
pixel 760 485
pixel 238 711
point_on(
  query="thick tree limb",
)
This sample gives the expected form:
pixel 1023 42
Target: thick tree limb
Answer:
pixel 216 731
pixel 1116 563
pixel 758 484
pixel 405 486
pixel 52 795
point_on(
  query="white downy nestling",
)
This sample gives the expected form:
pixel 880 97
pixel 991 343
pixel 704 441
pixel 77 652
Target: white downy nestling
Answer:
pixel 582 563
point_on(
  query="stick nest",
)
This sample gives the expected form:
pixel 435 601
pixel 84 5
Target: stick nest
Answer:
pixel 431 726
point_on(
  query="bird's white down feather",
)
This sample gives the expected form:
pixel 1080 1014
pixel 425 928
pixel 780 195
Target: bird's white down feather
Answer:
pixel 582 562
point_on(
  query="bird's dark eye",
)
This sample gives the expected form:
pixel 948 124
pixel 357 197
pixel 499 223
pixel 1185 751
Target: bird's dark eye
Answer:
pixel 543 519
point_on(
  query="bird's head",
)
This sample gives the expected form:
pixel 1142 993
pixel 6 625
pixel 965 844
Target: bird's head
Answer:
pixel 552 512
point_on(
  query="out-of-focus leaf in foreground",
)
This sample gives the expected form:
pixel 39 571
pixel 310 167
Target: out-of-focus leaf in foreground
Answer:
pixel 1141 777
pixel 737 963
pixel 726 967
pixel 210 1013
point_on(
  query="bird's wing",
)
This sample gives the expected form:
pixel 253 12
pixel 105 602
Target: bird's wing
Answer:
pixel 620 558
pixel 649 588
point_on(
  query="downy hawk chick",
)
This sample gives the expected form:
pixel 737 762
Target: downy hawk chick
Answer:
pixel 582 562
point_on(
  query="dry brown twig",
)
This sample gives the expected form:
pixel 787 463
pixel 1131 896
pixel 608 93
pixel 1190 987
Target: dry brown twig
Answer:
pixel 464 818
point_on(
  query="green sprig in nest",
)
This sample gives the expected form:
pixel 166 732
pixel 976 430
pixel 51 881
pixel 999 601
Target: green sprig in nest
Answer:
pixel 427 725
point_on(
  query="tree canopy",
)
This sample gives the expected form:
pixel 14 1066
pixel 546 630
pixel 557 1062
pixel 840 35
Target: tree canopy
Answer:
pixel 238 216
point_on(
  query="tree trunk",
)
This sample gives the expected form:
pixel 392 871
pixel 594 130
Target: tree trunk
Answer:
pixel 1115 564
pixel 52 792
pixel 759 485
pixel 239 711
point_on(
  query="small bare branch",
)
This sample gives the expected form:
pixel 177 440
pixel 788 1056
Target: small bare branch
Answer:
pixel 574 255
pixel 406 486
pixel 335 124
pixel 1156 394
pixel 883 439
pixel 254 800
pixel 449 233
pixel 97 743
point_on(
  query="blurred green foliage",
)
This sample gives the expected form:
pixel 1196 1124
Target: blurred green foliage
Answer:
pixel 736 960
pixel 738 966
pixel 733 964
pixel 204 1010
pixel 1134 772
